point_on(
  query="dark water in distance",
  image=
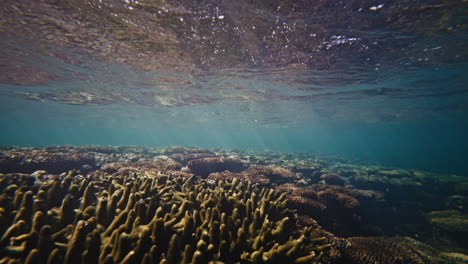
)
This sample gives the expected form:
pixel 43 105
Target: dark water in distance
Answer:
pixel 380 81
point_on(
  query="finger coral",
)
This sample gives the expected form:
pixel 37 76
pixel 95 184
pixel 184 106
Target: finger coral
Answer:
pixel 157 219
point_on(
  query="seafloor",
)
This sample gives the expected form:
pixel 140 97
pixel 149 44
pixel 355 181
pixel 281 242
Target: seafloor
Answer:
pixel 64 204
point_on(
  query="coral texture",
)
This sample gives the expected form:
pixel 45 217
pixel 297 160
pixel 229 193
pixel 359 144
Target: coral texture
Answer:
pixel 158 219
pixel 205 166
pixel 369 250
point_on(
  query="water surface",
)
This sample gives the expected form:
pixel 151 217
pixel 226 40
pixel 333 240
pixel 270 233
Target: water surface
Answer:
pixel 381 81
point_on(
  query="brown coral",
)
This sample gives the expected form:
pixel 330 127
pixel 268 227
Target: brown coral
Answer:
pixel 185 158
pixel 53 160
pixel 205 166
pixel 332 179
pixel 334 207
pixel 227 175
pixel 337 196
pixel 275 173
pixel 369 250
pixel 294 190
pixel 306 206
pixel 130 219
pixel 166 164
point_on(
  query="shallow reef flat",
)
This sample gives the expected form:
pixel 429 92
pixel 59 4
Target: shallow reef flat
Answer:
pixel 99 204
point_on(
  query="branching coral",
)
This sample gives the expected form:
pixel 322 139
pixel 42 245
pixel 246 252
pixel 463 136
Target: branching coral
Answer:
pixel 188 205
pixel 158 219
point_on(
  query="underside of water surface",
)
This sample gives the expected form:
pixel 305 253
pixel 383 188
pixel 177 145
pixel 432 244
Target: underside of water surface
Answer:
pixel 343 122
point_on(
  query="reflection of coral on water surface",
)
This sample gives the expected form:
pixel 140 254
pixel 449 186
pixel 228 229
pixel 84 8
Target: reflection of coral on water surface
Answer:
pixel 66 204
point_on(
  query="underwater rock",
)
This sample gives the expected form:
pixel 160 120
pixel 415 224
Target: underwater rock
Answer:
pixel 205 166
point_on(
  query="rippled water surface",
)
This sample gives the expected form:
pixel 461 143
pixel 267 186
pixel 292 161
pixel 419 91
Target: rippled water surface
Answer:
pixel 384 81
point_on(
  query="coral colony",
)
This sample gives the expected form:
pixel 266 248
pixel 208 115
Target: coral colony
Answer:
pixel 90 204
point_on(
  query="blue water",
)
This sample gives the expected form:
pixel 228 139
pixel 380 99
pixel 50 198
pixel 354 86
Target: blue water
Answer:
pixel 438 145
pixel 366 89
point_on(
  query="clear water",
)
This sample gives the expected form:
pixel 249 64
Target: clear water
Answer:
pixel 380 81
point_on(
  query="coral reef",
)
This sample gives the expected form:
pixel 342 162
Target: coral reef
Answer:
pixel 263 175
pixel 336 208
pixel 129 219
pixel 52 160
pixel 205 166
pixel 304 200
pixel 332 179
pixel 450 225
pixel 117 200
pixel 368 250
pixel 337 196
pixel 275 173
pixel 449 220
pixel 254 178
